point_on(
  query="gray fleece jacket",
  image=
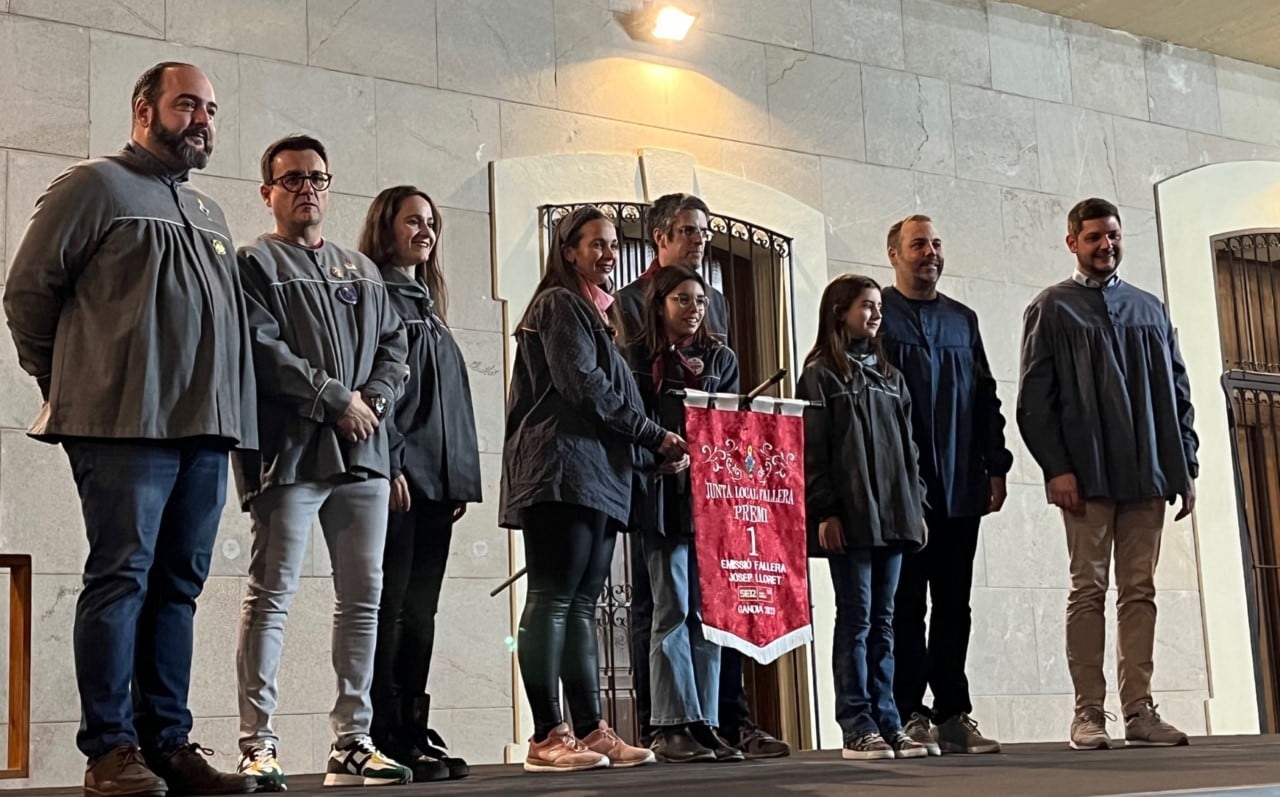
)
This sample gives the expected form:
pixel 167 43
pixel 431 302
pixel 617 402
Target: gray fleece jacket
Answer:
pixel 322 328
pixel 124 303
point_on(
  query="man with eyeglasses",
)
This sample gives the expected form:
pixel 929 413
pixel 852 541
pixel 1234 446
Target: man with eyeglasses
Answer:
pixel 680 236
pixel 329 350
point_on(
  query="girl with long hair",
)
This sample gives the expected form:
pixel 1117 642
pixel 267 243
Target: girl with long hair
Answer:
pixel 435 473
pixel 674 351
pixel 865 506
pixel 574 422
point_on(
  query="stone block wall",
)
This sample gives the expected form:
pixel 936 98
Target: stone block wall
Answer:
pixel 992 118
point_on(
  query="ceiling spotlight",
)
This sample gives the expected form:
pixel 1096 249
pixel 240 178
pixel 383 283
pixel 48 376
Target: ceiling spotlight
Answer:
pixel 652 22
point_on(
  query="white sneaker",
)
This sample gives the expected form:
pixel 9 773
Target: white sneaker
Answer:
pixel 362 765
pixel 260 763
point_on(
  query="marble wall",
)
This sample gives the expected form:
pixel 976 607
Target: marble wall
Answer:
pixel 991 118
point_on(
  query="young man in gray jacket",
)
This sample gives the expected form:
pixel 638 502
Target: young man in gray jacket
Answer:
pixel 329 350
pixel 1104 406
pixel 124 303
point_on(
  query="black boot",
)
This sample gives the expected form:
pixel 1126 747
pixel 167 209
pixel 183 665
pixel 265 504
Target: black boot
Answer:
pixel 675 745
pixel 425 768
pixel 387 733
pixel 395 737
pixel 428 742
pixel 707 737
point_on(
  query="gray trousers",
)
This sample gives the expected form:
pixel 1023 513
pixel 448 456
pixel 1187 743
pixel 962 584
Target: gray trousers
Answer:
pixel 354 520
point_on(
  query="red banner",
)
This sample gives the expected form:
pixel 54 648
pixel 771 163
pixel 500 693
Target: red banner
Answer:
pixel 746 477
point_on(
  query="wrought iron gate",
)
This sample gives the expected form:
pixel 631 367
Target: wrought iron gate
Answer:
pixel 1247 271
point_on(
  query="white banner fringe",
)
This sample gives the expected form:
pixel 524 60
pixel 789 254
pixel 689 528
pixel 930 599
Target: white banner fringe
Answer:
pixel 764 655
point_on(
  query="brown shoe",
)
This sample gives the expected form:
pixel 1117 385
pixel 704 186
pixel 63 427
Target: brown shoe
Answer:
pixel 1089 729
pixel 620 754
pixel 186 772
pixel 561 751
pixel 1145 727
pixel 755 743
pixel 123 773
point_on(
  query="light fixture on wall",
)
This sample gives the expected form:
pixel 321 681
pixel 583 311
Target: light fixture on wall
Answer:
pixel 657 22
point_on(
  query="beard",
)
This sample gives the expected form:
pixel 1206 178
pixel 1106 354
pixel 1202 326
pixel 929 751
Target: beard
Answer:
pixel 1091 264
pixel 922 276
pixel 175 142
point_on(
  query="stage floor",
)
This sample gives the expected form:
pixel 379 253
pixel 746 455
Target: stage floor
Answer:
pixel 1241 766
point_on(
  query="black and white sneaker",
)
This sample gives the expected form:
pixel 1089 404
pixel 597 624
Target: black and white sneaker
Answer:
pixel 361 764
pixel 906 747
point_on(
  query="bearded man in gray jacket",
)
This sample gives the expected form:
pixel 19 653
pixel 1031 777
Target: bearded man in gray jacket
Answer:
pixel 329 350
pixel 125 306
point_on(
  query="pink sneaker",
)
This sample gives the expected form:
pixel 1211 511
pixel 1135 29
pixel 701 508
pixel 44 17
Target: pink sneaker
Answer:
pixel 620 754
pixel 561 751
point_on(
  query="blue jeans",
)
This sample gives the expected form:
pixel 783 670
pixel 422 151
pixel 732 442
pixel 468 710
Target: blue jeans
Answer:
pixel 865 580
pixel 151 514
pixel 684 668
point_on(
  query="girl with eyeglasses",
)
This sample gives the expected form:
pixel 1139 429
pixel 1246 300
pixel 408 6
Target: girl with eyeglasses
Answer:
pixel 674 351
pixel 865 506
pixel 574 422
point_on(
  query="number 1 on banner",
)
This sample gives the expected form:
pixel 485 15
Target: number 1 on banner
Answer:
pixel 752 531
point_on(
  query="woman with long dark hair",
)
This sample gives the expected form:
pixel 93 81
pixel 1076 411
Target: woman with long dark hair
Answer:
pixel 675 351
pixel 865 506
pixel 435 473
pixel 574 421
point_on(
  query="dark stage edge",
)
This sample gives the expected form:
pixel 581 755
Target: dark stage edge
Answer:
pixel 1231 766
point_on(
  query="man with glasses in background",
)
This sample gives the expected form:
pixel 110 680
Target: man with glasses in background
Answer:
pixel 680 237
pixel 679 224
pixel 329 351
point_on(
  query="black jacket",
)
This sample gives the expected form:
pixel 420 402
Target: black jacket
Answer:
pixel 662 504
pixel 955 412
pixel 322 328
pixel 124 302
pixel 433 428
pixel 859 458
pixel 1104 393
pixel 631 303
pixel 574 415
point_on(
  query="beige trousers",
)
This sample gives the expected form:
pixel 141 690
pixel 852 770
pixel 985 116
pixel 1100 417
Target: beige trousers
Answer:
pixel 1132 530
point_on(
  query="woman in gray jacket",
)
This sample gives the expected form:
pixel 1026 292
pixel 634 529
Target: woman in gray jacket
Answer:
pixel 574 419
pixel 435 473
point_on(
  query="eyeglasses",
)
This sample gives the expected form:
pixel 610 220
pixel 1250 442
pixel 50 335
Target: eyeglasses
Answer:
pixel 685 300
pixel 689 231
pixel 293 181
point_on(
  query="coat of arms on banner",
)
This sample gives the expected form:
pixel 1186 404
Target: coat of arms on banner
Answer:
pixel 747 484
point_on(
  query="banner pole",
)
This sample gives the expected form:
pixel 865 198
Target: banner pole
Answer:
pixel 516 576
pixel 813 658
pixel 761 388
